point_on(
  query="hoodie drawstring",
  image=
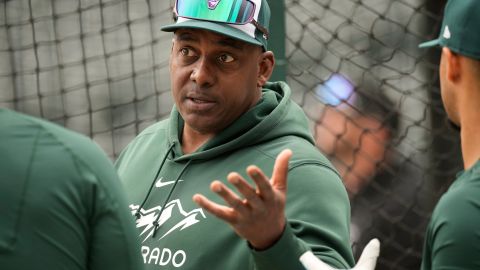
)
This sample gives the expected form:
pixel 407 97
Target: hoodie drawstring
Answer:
pixel 155 223
pixel 137 213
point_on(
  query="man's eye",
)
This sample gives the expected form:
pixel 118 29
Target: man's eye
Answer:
pixel 226 58
pixel 186 52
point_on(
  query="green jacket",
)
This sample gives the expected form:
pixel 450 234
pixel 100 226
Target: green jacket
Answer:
pixel 61 203
pixel 190 238
pixel 453 234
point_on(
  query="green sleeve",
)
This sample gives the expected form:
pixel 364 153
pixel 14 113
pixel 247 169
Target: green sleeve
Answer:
pixel 318 214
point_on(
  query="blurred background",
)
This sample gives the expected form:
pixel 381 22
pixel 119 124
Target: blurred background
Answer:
pixel 100 67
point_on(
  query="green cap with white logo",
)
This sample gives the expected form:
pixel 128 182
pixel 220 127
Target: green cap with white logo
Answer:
pixel 460 28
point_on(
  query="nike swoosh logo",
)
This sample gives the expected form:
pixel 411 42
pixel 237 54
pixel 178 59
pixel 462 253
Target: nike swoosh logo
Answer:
pixel 160 183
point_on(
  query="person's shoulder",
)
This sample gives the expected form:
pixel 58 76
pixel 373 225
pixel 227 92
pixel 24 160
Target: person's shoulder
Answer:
pixel 459 205
pixel 151 132
pixel 150 135
pixel 89 165
pixel 155 128
pixel 75 143
pixel 304 152
pixel 462 191
pixel 453 228
pixel 143 144
pixel 41 129
pixel 62 147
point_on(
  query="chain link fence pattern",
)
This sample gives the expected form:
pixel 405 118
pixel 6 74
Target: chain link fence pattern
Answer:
pixel 100 67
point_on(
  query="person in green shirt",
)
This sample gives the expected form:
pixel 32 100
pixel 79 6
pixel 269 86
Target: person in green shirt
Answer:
pixel 62 206
pixel 453 234
pixel 226 117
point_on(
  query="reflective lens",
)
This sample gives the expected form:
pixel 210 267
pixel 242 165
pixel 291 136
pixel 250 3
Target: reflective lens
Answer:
pixel 226 11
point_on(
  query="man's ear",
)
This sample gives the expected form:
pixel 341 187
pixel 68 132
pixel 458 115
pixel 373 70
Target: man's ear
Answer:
pixel 266 64
pixel 453 65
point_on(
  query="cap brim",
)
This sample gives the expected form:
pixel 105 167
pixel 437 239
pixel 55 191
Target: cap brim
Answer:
pixel 431 43
pixel 218 28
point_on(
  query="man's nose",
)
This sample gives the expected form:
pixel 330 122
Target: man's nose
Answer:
pixel 202 73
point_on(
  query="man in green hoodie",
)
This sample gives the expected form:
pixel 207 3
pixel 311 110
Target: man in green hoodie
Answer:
pixel 226 117
pixel 452 240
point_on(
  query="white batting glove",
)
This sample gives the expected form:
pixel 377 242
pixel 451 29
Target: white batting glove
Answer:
pixel 367 260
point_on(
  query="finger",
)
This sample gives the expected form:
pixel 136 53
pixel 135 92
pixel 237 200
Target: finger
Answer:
pixel 222 212
pixel 248 192
pixel 280 170
pixel 264 188
pixel 228 196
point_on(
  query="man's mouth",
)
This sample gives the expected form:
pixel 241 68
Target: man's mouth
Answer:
pixel 196 100
pixel 195 103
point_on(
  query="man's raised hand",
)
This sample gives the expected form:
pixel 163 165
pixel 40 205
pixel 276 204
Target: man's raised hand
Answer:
pixel 259 214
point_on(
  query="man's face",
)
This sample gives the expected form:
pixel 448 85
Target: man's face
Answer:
pixel 214 79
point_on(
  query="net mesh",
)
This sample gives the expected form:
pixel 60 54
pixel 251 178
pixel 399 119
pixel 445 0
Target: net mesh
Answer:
pixel 100 67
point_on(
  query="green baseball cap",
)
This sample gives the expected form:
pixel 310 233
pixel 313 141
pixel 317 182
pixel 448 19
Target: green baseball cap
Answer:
pixel 245 20
pixel 460 28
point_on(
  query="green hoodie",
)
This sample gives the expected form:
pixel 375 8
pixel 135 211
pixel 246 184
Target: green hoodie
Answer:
pixel 158 176
pixel 62 206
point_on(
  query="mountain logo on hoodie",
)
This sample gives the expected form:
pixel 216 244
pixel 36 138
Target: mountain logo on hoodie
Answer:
pixel 173 208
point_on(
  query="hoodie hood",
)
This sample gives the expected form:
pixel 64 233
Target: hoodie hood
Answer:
pixel 275 115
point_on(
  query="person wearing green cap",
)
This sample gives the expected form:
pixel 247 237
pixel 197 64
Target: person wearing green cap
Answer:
pixel 226 117
pixel 452 240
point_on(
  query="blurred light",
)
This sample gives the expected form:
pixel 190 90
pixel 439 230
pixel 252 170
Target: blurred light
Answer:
pixel 335 90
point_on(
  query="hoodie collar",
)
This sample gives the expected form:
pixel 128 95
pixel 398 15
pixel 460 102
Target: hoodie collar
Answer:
pixel 273 116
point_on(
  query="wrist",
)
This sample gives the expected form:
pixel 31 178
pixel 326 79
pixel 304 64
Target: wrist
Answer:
pixel 267 243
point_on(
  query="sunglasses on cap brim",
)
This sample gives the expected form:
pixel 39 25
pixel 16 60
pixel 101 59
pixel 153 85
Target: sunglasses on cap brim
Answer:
pixel 237 12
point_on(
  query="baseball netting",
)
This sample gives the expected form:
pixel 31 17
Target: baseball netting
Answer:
pixel 100 67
